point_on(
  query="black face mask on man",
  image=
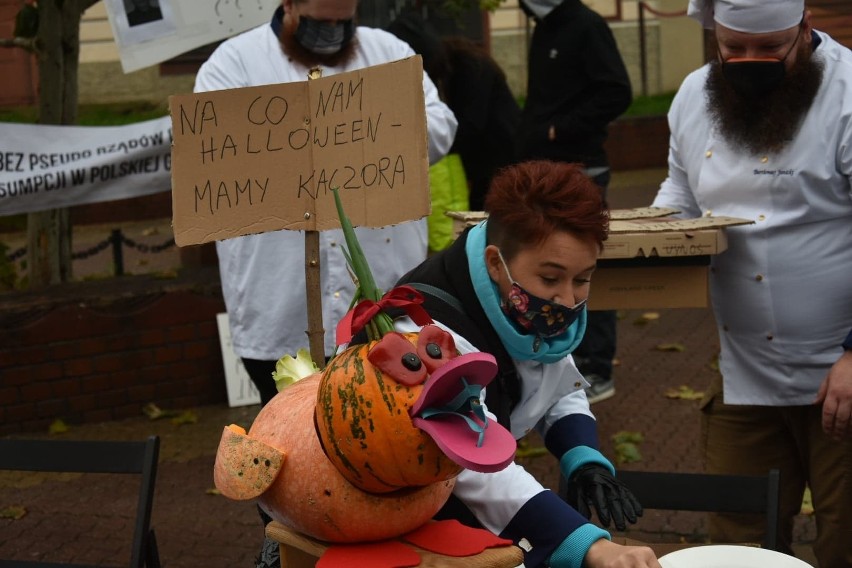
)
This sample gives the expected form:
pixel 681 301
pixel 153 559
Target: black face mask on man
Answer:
pixel 322 38
pixel 755 77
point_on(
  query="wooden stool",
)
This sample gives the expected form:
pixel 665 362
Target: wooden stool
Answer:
pixel 300 551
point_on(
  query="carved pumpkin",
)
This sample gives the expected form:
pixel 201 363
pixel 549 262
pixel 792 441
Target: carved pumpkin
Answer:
pixel 281 463
pixel 363 406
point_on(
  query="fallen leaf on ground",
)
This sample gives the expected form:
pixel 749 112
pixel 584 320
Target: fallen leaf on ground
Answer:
pixel 676 347
pixel 213 491
pixel 13 512
pixel 531 452
pixel 57 427
pixel 527 450
pixel 646 318
pixel 626 446
pixel 714 364
pixel 186 417
pixel 684 392
pixel 154 412
pixel 627 453
pixel 628 436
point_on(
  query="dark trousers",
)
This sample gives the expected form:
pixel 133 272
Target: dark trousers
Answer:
pixel 596 351
pixel 260 373
pixel 750 440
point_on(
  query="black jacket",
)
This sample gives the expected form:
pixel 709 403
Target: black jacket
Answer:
pixel 577 83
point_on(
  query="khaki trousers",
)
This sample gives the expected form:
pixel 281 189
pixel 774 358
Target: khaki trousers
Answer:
pixel 750 440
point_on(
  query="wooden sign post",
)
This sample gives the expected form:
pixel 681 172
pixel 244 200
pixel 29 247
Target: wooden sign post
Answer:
pixel 313 292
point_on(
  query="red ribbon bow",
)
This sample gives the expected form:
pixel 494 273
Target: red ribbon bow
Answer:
pixel 404 297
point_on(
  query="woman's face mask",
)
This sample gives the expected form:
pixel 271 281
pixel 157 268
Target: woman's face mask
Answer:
pixel 753 78
pixel 323 38
pixel 542 317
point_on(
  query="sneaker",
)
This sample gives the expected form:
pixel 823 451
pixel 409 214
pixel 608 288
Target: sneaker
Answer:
pixel 599 388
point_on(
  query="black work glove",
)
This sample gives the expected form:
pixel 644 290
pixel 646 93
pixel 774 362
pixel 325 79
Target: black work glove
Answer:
pixel 593 486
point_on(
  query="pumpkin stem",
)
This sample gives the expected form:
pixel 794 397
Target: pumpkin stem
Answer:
pixel 365 283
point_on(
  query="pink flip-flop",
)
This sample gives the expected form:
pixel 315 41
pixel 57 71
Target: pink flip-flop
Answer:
pixel 464 433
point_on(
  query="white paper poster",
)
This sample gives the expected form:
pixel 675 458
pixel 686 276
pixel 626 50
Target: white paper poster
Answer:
pixel 241 391
pixel 148 32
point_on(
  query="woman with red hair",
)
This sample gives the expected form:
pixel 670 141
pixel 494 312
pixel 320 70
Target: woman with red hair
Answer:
pixel 516 286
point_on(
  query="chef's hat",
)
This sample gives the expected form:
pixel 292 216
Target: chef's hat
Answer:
pixel 750 16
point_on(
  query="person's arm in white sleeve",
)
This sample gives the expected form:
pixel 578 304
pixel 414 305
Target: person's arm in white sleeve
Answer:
pixel 222 70
pixel 675 191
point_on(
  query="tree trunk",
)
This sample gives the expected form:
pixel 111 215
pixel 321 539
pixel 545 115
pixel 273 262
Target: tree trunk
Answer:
pixel 49 232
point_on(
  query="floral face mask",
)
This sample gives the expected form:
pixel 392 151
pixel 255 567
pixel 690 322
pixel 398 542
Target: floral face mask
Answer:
pixel 537 315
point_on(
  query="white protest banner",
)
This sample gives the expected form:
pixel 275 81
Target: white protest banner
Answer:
pixel 47 167
pixel 148 32
pixel 260 159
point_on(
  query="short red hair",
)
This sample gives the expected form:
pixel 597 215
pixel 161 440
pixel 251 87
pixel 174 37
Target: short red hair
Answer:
pixel 527 202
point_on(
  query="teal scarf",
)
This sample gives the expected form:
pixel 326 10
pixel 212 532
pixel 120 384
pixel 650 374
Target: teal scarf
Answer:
pixel 519 346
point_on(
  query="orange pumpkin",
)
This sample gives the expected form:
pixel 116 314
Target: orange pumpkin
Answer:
pixel 362 411
pixel 304 490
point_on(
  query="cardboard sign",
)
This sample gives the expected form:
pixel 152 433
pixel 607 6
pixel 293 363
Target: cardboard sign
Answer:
pixel 265 158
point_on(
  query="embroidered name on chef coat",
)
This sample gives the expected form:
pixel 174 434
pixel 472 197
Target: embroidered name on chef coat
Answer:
pixel 765 172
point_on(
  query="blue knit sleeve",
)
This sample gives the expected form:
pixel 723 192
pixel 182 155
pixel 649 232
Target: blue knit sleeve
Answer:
pixel 573 550
pixel 547 523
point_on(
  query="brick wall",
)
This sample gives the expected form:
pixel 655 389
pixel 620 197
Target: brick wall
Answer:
pixel 103 350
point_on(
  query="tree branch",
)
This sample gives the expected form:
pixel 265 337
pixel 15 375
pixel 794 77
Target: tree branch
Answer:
pixel 27 43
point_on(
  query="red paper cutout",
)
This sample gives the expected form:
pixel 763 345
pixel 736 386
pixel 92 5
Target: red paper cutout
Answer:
pixel 385 554
pixel 451 538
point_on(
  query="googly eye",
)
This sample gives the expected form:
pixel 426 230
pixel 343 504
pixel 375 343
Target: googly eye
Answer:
pixel 433 350
pixel 412 362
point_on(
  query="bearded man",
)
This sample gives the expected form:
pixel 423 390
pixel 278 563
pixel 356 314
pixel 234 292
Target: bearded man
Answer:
pixel 263 279
pixel 764 132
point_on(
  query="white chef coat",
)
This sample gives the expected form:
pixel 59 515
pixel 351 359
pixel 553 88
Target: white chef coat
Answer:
pixel 263 276
pixel 782 291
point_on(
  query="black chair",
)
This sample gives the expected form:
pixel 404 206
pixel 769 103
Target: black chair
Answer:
pixel 708 493
pixel 119 457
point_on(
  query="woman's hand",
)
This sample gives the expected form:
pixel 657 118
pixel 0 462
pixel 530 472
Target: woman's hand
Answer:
pixel 607 554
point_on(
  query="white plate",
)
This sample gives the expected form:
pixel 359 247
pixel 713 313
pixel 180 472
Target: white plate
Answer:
pixel 729 556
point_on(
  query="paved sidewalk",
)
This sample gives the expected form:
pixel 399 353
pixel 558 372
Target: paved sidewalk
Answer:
pixel 196 528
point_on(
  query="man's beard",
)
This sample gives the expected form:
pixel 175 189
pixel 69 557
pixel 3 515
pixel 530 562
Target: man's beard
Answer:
pixel 296 52
pixel 764 124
